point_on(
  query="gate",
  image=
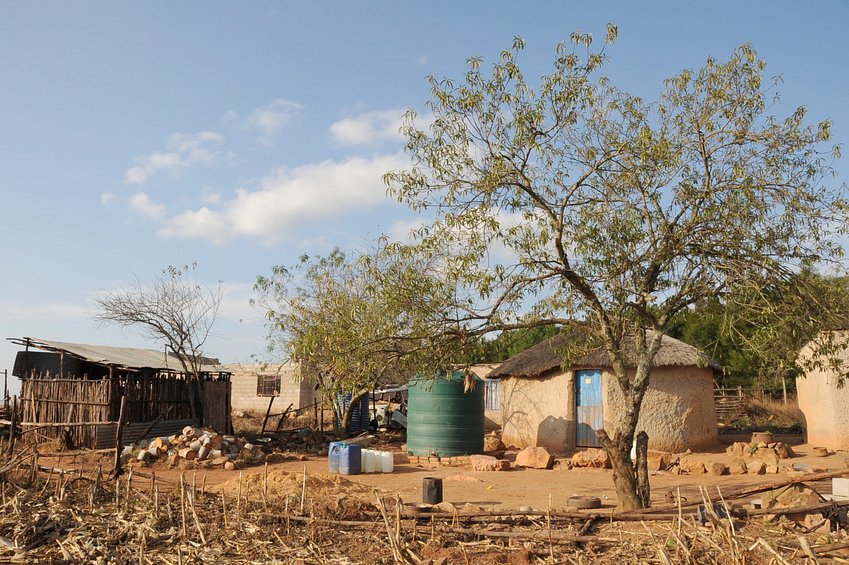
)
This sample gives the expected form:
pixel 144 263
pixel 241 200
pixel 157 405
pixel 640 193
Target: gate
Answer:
pixel 588 402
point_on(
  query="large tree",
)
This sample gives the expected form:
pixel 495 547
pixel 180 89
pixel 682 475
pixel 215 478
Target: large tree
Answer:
pixel 176 310
pixel 360 320
pixel 757 337
pixel 569 199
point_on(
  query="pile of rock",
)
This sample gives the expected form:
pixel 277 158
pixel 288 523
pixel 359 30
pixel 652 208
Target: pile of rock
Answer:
pixel 195 444
pixel 757 458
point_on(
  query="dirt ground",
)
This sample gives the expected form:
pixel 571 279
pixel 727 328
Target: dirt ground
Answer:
pixel 512 489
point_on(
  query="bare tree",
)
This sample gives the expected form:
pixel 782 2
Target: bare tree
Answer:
pixel 177 310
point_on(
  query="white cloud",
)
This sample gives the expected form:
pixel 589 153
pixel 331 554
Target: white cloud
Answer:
pixel 141 203
pixel 270 119
pixel 422 60
pixel 402 230
pixel 287 199
pixel 107 198
pixel 182 151
pixel 369 127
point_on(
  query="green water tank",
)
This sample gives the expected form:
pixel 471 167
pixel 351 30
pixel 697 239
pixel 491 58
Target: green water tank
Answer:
pixel 442 419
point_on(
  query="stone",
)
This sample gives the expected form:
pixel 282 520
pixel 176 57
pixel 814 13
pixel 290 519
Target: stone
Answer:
pixel 595 458
pixel 770 458
pixel 820 452
pixel 445 507
pixel 658 460
pixel 737 467
pixel 717 469
pixel 488 463
pixel 229 465
pixel 791 496
pixel 784 451
pixel 535 458
pixel 756 467
pixel 492 443
pixel 737 449
pixel 692 466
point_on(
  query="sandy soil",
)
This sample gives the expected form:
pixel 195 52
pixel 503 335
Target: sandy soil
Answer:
pixel 488 490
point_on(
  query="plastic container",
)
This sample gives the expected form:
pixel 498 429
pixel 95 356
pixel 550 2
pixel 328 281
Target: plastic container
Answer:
pixel 369 461
pixel 431 490
pixel 387 462
pixel 333 454
pixel 350 457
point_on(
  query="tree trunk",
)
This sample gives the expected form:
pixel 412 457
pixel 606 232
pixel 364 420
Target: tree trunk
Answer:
pixel 642 469
pixel 349 411
pixel 624 477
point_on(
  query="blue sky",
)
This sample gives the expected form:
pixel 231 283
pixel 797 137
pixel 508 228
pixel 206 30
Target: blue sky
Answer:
pixel 242 135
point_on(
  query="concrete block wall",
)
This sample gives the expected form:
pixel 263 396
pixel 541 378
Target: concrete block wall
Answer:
pixel 298 392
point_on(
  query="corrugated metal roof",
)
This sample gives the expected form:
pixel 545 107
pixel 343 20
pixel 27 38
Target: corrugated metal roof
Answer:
pixel 128 357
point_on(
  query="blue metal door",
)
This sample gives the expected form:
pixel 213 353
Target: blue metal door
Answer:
pixel 589 413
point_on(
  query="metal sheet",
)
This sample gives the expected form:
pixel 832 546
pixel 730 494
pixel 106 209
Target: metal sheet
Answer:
pixel 589 412
pixel 132 432
pixel 121 356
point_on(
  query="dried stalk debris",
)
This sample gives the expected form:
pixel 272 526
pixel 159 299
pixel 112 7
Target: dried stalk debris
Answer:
pixel 52 516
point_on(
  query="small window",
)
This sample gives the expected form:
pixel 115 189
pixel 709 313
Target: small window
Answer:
pixel 268 385
pixel 493 394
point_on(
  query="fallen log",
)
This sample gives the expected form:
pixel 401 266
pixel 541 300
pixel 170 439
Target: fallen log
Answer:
pixel 533 536
pixel 578 516
pixel 808 509
pixel 735 494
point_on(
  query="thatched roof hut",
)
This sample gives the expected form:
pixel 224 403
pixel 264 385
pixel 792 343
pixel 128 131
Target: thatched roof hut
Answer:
pixel 558 393
pixel 550 355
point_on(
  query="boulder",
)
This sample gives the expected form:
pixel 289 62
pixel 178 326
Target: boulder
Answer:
pixel 488 463
pixel 445 507
pixel 783 450
pixel 535 458
pixel 737 449
pixel 692 466
pixel 492 443
pixel 770 458
pixel 595 458
pixel 737 467
pixel 717 469
pixel 658 460
pixel 756 467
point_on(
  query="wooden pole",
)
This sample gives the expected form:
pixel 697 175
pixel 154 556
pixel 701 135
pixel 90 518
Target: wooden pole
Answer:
pixel 283 417
pixel 11 448
pixel 119 432
pixel 267 413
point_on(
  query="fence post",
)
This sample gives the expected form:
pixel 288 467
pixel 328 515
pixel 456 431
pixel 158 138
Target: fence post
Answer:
pixel 119 433
pixel 11 447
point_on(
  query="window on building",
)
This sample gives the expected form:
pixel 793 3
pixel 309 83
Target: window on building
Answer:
pixel 268 385
pixel 493 394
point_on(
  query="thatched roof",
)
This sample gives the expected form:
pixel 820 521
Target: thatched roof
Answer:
pixel 548 355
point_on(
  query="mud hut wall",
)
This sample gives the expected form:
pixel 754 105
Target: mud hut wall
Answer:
pixel 824 401
pixel 677 413
pixel 539 411
pixel 492 417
